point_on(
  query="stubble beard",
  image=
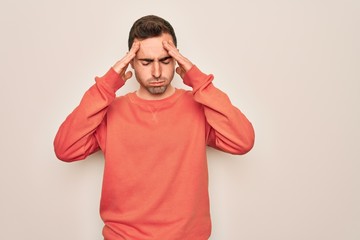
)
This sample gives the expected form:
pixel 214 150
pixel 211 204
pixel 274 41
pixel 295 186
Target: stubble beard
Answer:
pixel 157 90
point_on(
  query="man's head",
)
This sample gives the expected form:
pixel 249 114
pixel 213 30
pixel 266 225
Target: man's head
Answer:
pixel 150 26
pixel 154 68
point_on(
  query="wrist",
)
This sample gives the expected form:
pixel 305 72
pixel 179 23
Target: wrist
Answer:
pixel 117 68
pixel 195 78
pixel 111 79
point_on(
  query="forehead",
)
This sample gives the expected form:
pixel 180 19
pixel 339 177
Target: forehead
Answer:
pixel 153 47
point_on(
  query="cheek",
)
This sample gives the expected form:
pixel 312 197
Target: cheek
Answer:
pixel 169 69
pixel 140 71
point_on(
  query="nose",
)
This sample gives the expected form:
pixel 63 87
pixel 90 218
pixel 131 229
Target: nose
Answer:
pixel 156 71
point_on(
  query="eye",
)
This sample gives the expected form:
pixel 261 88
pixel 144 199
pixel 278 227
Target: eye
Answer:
pixel 145 63
pixel 165 61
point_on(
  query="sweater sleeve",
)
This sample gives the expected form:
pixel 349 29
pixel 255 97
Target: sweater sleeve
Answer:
pixel 78 135
pixel 227 127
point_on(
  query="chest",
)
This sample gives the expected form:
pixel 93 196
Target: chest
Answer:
pixel 151 127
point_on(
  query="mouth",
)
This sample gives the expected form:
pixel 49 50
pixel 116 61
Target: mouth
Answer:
pixel 157 83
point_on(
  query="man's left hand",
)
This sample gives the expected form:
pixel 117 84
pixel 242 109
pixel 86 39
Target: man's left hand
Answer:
pixel 184 63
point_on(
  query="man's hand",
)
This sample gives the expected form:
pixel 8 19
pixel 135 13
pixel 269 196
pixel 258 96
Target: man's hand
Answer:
pixel 184 63
pixel 121 65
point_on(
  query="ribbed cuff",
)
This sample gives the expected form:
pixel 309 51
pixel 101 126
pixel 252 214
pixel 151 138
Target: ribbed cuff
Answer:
pixel 111 79
pixel 195 78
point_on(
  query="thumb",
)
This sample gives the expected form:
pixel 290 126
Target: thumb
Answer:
pixel 127 75
pixel 180 71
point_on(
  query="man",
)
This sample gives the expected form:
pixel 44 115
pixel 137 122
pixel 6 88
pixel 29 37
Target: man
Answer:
pixel 154 140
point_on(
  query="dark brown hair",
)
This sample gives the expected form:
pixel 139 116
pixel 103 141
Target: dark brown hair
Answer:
pixel 150 26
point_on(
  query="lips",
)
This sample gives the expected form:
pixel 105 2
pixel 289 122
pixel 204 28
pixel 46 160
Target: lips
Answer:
pixel 157 83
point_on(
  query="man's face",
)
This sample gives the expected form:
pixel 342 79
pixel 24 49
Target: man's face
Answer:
pixel 154 68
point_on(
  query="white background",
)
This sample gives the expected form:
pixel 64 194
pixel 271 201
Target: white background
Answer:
pixel 293 67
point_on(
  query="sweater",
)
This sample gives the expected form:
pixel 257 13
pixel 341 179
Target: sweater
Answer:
pixel 155 182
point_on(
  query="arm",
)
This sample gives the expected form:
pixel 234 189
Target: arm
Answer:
pixel 227 127
pixel 77 136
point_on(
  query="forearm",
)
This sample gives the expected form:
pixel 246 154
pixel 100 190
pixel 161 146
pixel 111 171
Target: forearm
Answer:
pixel 228 128
pixel 76 137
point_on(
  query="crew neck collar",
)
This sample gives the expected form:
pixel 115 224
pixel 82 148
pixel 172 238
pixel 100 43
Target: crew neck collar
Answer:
pixel 133 97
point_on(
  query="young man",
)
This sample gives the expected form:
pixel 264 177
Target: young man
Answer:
pixel 154 140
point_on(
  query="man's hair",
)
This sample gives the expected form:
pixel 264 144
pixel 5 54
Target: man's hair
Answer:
pixel 150 26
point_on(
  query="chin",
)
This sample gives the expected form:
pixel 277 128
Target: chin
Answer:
pixel 157 90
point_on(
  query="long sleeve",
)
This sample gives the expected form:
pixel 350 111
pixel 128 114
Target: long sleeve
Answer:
pixel 228 128
pixel 76 137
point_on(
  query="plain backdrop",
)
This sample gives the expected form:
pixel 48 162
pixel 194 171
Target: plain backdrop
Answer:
pixel 293 67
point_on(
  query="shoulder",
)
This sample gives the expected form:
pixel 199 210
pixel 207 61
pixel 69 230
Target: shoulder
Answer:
pixel 184 93
pixel 120 101
pixel 187 98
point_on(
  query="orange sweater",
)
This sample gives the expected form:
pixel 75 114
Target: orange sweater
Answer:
pixel 155 183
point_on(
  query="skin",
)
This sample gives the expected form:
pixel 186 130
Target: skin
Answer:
pixel 153 61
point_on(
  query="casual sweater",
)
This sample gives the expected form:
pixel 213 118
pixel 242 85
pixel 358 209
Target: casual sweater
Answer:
pixel 155 183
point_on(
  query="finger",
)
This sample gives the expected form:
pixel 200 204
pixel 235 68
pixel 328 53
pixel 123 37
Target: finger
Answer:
pixel 121 65
pixel 180 71
pixel 172 50
pixel 183 62
pixel 172 43
pixel 169 44
pixel 132 52
pixel 134 48
pixel 174 53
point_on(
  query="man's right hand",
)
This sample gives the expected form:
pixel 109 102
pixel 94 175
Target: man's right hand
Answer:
pixel 121 65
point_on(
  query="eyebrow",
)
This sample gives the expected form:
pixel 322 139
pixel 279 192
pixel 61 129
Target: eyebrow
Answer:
pixel 151 59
